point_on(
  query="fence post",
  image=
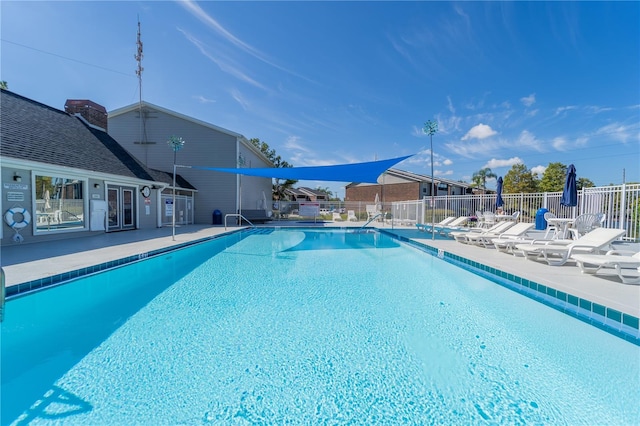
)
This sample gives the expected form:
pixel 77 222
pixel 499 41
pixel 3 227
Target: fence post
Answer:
pixel 623 205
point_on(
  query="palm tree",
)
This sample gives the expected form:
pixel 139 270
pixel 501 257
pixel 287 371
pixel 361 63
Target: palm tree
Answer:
pixel 4 85
pixel 480 177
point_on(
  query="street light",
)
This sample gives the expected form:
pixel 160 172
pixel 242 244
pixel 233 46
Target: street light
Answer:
pixel 431 128
pixel 175 143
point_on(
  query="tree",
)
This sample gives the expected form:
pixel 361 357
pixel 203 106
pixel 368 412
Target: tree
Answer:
pixel 553 178
pixel 327 191
pixel 519 179
pixel 278 188
pixel 4 85
pixel 584 183
pixel 480 177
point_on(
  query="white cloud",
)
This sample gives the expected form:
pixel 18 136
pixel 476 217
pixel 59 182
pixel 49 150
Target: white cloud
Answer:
pixel 560 110
pixel 559 143
pixel 539 170
pixel 481 131
pixel 235 94
pixel 528 140
pixel 450 107
pixel 528 100
pixel 293 143
pixel 620 132
pixel 495 163
pixel 447 162
pixel 203 100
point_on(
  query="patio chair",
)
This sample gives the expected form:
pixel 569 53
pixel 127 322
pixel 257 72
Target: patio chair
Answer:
pixel 443 222
pixel 558 252
pixel 488 219
pixel 351 216
pixel 337 217
pixel 473 233
pixel 625 264
pixel 584 223
pixel 515 232
pixel 551 228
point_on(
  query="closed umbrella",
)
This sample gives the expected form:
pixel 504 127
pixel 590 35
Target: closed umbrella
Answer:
pixel 499 200
pixel 570 191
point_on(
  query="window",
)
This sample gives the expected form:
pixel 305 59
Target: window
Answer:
pixel 59 203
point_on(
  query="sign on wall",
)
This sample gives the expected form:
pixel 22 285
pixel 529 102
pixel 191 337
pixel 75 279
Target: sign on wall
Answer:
pixel 310 209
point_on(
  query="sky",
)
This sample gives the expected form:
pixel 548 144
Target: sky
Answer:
pixel 333 82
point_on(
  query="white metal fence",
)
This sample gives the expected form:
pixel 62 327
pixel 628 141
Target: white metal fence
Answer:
pixel 619 203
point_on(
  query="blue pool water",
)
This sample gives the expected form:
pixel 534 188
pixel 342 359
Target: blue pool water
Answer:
pixel 306 327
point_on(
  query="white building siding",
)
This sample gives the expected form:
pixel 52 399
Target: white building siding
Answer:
pixel 204 146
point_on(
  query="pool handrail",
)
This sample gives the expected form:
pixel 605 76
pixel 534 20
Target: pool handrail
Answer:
pixel 236 215
pixel 3 291
pixel 371 220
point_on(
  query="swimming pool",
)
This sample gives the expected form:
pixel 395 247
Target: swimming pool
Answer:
pixel 306 326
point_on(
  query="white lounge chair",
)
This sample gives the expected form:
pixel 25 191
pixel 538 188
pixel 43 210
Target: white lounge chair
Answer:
pixel 474 233
pixel 557 252
pixel 337 217
pixel 515 232
pixel 443 222
pixel 351 216
pixel 624 264
pixel 455 225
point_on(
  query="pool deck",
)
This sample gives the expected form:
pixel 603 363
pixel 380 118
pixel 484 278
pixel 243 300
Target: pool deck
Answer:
pixel 29 262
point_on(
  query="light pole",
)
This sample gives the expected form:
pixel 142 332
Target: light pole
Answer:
pixel 431 128
pixel 175 143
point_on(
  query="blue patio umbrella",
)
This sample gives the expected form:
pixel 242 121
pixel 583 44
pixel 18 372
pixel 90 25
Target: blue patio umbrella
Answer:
pixel 499 200
pixel 570 191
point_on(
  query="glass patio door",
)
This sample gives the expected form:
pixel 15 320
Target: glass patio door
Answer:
pixel 121 201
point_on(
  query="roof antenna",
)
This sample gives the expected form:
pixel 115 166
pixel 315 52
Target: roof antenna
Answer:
pixel 138 56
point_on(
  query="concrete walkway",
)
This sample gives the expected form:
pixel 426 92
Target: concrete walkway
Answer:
pixel 28 262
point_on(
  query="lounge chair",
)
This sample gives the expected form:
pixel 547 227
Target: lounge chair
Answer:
pixel 443 222
pixel 558 252
pixel 473 233
pixel 455 225
pixel 515 232
pixel 351 216
pixel 624 264
pixel 337 217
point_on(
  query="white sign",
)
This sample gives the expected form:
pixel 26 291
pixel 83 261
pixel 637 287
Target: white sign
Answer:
pixel 22 186
pixel 15 196
pixel 168 207
pixel 309 209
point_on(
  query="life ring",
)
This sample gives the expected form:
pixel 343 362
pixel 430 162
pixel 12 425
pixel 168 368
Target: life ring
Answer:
pixel 9 217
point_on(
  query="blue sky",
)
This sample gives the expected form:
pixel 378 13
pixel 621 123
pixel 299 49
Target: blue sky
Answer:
pixel 339 82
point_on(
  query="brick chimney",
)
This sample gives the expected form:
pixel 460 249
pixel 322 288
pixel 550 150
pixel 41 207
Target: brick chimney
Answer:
pixel 90 111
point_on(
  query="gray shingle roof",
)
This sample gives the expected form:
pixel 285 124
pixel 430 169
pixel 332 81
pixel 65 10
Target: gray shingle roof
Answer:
pixel 33 131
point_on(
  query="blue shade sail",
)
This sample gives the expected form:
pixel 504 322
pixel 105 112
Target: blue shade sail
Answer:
pixel 570 191
pixel 357 172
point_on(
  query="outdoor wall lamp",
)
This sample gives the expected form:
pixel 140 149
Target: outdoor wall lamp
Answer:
pixel 96 185
pixel 17 177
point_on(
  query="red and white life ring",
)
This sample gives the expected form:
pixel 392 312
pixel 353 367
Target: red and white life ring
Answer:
pixel 9 217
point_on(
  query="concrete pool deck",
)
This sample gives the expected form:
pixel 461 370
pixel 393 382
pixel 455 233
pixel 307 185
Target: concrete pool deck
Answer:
pixel 28 262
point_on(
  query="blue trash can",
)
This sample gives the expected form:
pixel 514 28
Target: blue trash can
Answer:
pixel 217 217
pixel 541 222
